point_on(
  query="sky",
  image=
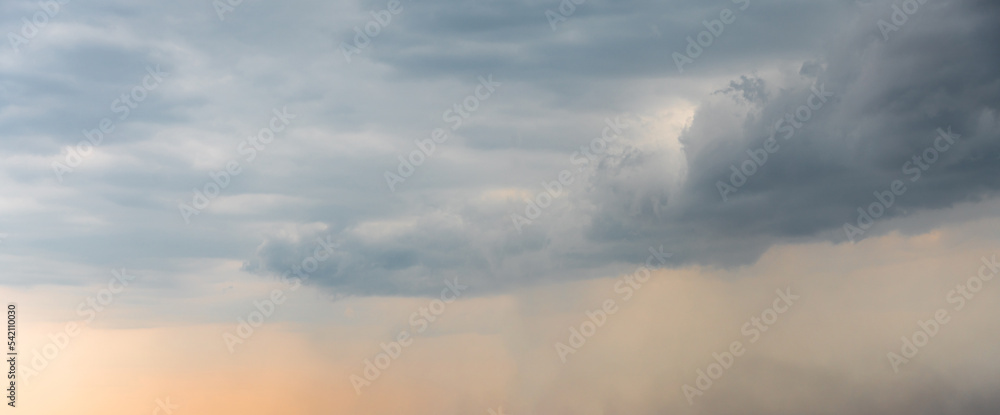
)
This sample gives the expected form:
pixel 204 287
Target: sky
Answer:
pixel 501 207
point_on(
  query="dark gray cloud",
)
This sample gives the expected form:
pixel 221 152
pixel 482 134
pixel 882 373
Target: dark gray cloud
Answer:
pixel 452 218
pixel 889 98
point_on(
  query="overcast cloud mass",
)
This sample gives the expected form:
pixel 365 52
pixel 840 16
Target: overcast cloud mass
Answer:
pixel 513 145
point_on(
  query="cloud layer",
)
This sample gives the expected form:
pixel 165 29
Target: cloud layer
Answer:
pixel 657 183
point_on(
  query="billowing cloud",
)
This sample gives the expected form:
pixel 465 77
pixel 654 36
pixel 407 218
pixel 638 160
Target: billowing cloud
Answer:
pixel 884 95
